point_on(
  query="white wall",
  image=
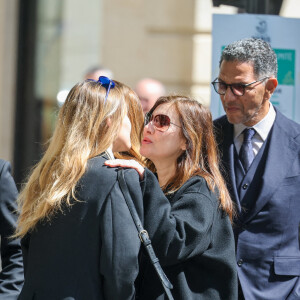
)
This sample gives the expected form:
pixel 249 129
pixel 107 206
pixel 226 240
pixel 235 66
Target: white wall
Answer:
pixel 8 49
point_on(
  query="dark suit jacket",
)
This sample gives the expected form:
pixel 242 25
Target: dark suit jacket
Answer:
pixel 193 240
pixel 11 276
pixel 90 250
pixel 267 228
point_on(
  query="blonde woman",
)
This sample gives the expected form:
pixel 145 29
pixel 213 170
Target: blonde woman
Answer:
pixel 78 237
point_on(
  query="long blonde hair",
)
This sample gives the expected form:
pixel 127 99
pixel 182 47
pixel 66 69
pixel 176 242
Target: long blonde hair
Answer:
pixel 201 156
pixel 81 133
pixel 136 117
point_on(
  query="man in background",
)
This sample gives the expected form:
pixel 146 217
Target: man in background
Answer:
pixel 97 71
pixel 148 91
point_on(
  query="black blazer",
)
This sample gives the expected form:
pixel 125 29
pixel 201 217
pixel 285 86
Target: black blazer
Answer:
pixel 193 240
pixel 11 276
pixel 267 227
pixel 90 250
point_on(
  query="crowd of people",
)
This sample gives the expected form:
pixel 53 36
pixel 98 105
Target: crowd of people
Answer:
pixel 218 198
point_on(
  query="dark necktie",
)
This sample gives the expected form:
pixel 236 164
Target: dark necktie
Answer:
pixel 246 153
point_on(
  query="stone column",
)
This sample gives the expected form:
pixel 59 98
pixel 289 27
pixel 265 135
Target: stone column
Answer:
pixel 8 64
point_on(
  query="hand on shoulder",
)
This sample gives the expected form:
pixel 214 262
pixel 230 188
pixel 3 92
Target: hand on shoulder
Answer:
pixel 127 164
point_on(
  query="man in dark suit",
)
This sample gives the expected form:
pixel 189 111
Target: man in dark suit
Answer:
pixel 11 275
pixel 260 153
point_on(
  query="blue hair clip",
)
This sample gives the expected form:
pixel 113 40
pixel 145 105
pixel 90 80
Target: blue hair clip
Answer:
pixel 107 83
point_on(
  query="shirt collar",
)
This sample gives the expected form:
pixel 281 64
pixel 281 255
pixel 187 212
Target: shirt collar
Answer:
pixel 262 128
pixel 110 153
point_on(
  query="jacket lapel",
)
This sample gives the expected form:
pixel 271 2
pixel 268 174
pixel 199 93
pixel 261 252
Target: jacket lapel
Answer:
pixel 228 160
pixel 274 172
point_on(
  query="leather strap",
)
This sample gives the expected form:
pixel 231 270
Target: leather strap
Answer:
pixel 144 237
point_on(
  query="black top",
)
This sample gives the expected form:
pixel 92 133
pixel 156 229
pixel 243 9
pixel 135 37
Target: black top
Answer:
pixel 11 276
pixel 193 239
pixel 90 250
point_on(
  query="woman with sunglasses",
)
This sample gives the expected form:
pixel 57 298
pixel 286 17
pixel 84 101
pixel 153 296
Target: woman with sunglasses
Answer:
pixel 78 238
pixel 186 204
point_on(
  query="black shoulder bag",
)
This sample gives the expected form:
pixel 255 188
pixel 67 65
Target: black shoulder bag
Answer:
pixel 143 235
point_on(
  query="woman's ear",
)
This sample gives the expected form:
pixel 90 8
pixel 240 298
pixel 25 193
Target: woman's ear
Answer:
pixel 108 122
pixel 184 145
pixel 270 87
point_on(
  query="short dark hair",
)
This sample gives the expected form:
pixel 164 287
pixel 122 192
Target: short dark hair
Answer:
pixel 252 50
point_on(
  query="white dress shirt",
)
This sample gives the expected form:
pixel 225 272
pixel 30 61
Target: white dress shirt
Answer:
pixel 262 129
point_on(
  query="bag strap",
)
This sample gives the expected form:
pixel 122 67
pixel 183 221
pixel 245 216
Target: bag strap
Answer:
pixel 143 235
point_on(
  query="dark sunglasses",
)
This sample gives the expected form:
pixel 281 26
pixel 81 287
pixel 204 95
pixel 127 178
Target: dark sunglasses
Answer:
pixel 237 89
pixel 160 122
pixel 105 82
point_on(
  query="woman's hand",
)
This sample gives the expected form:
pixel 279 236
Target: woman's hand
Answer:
pixel 127 164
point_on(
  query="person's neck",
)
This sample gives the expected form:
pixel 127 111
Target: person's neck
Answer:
pixel 165 171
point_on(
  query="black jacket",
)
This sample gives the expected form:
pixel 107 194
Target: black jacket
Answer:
pixel 90 251
pixel 194 241
pixel 11 276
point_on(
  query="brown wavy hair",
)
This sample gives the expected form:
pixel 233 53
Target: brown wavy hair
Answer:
pixel 201 155
pixel 81 133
